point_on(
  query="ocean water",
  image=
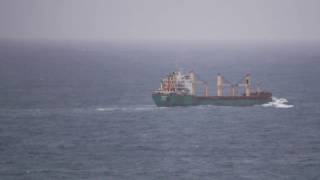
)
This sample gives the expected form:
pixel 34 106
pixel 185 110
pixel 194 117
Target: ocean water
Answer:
pixel 84 111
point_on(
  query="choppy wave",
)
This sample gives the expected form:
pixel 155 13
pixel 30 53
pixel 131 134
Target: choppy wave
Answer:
pixel 278 103
pixel 129 108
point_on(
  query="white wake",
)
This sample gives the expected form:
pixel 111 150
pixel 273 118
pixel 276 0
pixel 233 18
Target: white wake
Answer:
pixel 129 108
pixel 278 103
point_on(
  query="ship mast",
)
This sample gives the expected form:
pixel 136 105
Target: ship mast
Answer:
pixel 247 85
pixel 206 91
pixel 193 81
pixel 219 85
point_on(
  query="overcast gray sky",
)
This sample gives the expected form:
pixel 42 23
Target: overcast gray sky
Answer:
pixel 163 20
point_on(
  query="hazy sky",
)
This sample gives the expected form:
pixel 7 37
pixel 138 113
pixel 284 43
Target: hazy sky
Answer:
pixel 163 20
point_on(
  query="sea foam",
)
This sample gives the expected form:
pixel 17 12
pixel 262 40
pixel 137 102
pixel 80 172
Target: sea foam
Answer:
pixel 278 103
pixel 129 108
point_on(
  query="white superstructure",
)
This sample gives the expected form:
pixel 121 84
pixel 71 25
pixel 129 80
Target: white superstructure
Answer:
pixel 179 83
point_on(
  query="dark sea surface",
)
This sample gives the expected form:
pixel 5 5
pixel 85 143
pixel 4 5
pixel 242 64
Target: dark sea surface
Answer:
pixel 84 111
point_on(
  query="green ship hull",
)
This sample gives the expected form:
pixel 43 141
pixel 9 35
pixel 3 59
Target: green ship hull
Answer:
pixel 168 100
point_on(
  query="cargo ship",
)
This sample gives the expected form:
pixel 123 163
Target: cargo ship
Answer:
pixel 178 89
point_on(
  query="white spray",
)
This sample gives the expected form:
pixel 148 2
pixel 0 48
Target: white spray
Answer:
pixel 278 103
